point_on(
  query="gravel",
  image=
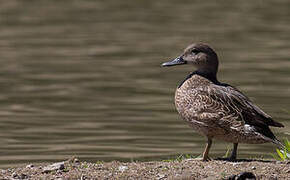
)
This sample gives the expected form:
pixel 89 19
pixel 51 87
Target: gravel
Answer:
pixel 170 169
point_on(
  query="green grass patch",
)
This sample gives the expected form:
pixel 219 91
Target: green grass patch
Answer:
pixel 283 154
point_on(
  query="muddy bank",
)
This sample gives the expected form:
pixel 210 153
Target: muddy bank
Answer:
pixel 170 169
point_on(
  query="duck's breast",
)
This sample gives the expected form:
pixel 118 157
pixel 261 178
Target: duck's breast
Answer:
pixel 190 101
pixel 188 96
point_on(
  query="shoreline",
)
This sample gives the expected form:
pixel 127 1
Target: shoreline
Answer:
pixel 167 169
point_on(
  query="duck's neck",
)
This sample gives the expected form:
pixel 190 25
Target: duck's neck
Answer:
pixel 210 75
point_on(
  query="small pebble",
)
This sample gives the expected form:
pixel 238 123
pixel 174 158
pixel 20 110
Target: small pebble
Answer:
pixel 76 160
pixel 274 176
pixel 14 175
pixel 23 176
pixel 30 166
pixel 242 176
pixel 54 167
pixel 161 176
pixel 3 171
pixel 122 168
pixel 253 167
pixel 235 164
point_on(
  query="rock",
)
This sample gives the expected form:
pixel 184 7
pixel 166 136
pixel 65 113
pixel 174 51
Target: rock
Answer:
pixel 122 168
pixel 161 176
pixel 253 167
pixel 30 166
pixel 23 176
pixel 76 160
pixel 274 177
pixel 14 175
pixel 243 176
pixel 236 163
pixel 54 167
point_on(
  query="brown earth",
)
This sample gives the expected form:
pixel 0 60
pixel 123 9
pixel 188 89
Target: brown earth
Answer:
pixel 171 169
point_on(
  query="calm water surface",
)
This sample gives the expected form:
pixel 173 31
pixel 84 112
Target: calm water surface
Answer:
pixel 83 77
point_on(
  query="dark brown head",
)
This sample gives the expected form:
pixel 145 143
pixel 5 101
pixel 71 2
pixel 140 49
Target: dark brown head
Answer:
pixel 200 55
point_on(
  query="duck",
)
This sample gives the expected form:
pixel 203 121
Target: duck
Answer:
pixel 218 110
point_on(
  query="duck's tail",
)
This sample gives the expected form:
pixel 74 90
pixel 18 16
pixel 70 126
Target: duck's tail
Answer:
pixel 278 143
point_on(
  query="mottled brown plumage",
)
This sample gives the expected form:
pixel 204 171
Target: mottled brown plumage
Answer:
pixel 218 110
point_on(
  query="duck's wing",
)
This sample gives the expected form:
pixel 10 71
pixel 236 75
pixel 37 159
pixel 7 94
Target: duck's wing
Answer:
pixel 239 106
pixel 242 105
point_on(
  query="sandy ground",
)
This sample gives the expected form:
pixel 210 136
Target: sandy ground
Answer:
pixel 170 169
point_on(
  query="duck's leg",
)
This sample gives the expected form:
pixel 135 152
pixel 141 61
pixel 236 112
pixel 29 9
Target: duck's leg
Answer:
pixel 205 156
pixel 234 153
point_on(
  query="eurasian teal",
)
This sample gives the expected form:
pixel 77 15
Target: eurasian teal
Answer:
pixel 215 109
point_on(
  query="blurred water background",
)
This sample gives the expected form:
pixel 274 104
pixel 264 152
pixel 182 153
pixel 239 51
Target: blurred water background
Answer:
pixel 83 77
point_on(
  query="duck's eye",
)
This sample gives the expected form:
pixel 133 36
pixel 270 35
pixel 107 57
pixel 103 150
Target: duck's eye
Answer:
pixel 194 51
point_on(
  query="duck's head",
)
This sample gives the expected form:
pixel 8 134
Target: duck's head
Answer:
pixel 200 55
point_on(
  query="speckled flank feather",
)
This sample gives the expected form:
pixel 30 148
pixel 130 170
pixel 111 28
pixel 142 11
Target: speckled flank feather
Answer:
pixel 218 110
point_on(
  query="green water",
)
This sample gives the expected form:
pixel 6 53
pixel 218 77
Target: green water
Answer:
pixel 83 77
